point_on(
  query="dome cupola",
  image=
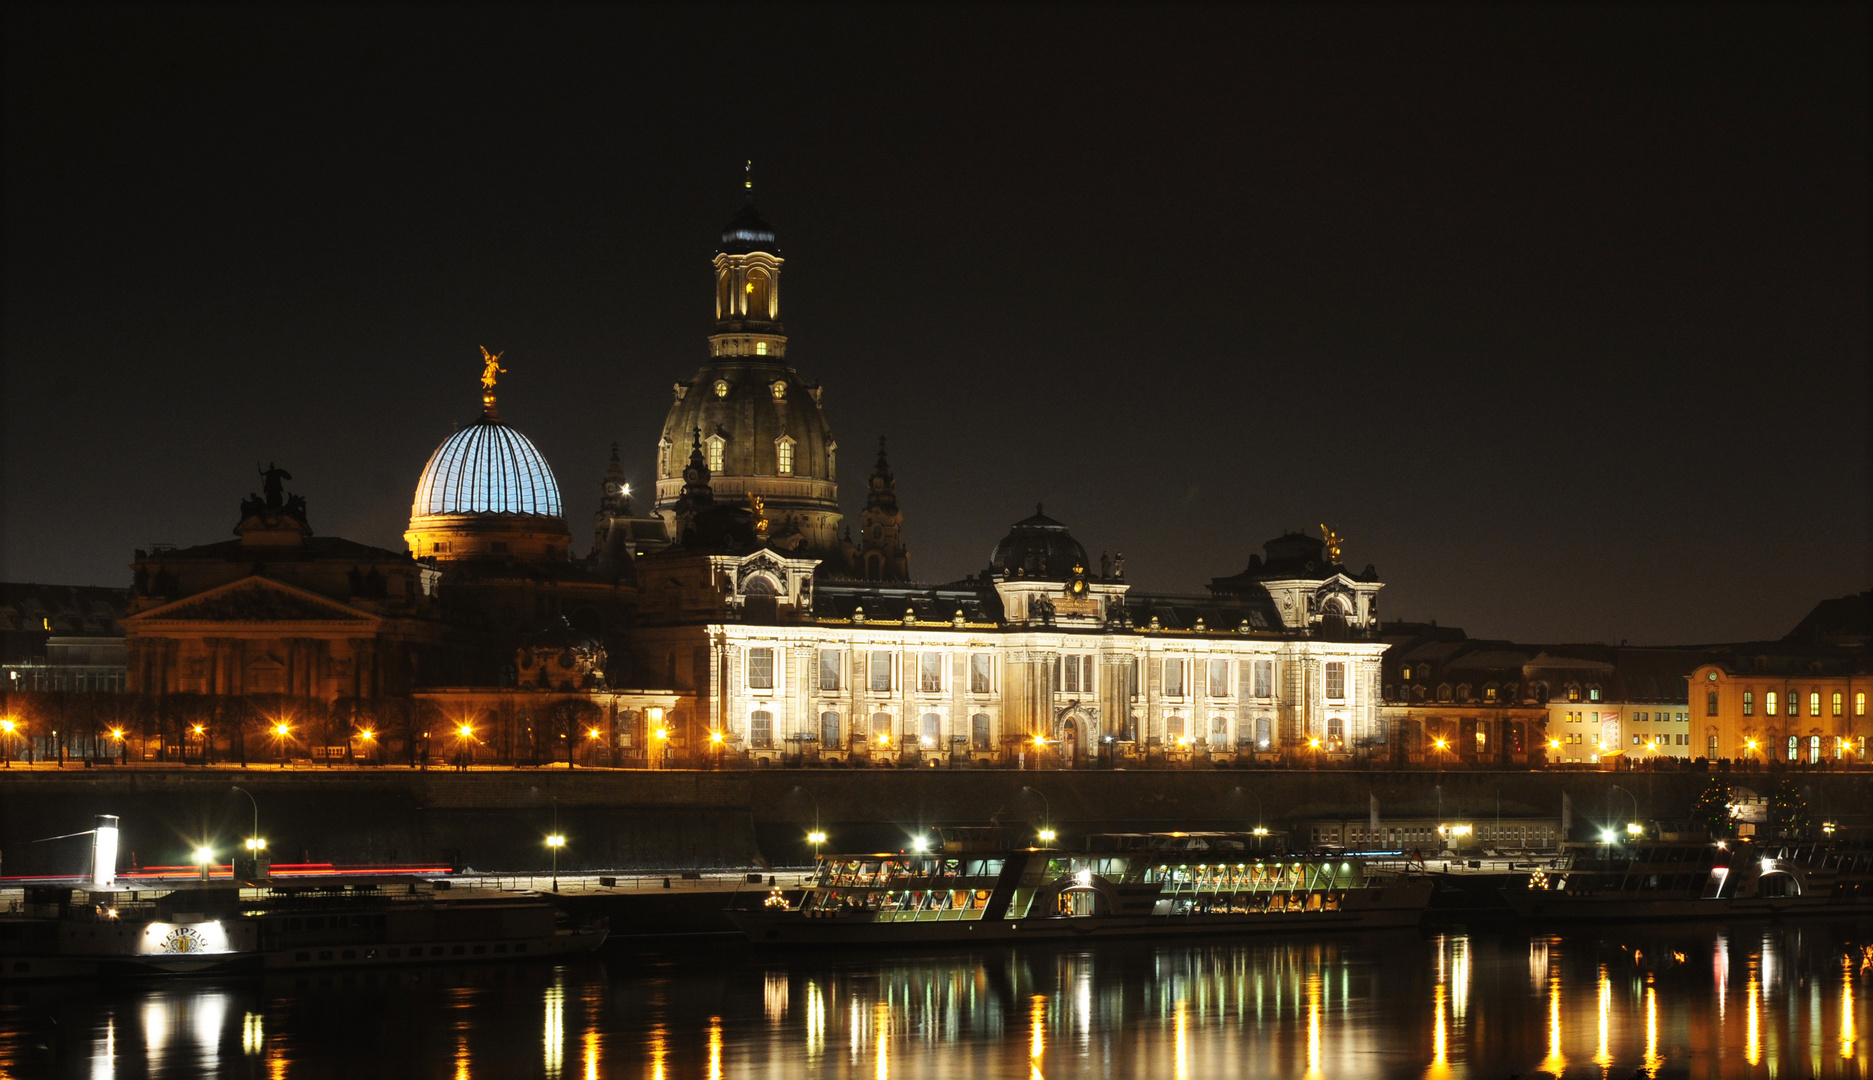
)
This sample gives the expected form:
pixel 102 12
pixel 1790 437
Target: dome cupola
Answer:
pixel 1038 547
pixel 487 492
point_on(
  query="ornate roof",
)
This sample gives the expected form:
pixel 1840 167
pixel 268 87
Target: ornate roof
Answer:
pixel 748 231
pixel 1037 547
pixel 487 468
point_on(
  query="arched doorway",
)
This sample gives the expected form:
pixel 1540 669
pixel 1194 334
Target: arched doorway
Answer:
pixel 1070 743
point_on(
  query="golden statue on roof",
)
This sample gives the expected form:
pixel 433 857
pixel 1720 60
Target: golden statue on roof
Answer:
pixel 492 367
pixel 757 512
pixel 1334 540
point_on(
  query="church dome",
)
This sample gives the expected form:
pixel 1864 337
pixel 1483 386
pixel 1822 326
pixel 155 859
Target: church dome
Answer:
pixel 487 468
pixel 1037 547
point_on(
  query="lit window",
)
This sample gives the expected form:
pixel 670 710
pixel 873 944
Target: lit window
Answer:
pixel 1573 692
pixel 1837 703
pixel 1769 701
pixel 1635 740
pixel 721 388
pixel 1264 678
pixel 930 673
pixel 783 457
pixel 760 349
pixel 1174 679
pixel 1859 703
pixel 1218 678
pixel 1794 704
pixel 831 669
pixel 1489 693
pixel 761 729
pixel 760 669
pixel 932 724
pixel 1814 703
pixel 1076 674
pixel 1336 681
pixel 1794 747
pixel 1593 693
pixel 715 445
pixel 880 672
pixel 1749 702
pixel 829 729
pixel 1174 727
pixel 981 672
pixel 979 735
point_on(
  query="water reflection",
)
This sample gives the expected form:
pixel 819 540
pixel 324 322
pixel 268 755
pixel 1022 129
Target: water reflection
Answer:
pixel 1479 1004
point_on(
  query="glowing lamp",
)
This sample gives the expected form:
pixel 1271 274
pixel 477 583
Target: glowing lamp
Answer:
pixel 465 731
pixel 1441 744
pixel 816 837
pixel 1315 743
pixel 1633 828
pixel 204 856
pixel 367 734
pixel 1046 835
pixel 918 843
pixel 7 726
pixel 1608 835
pixel 593 733
pixel 117 733
pixel 715 737
pixel 1259 831
pixel 660 733
pixel 555 841
pixel 278 729
pixel 256 844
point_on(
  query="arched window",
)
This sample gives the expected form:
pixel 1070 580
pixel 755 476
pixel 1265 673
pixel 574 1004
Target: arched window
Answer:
pixel 932 729
pixel 712 449
pixel 1463 691
pixel 761 729
pixel 783 455
pixel 1573 692
pixel 829 729
pixel 979 733
pixel 881 728
pixel 1443 692
pixel 1219 731
pixel 760 295
pixel 1174 727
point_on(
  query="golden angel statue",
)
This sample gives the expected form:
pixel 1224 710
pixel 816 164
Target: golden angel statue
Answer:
pixel 757 512
pixel 1334 540
pixel 493 367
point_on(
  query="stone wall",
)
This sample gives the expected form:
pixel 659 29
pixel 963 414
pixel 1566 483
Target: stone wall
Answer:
pixel 498 820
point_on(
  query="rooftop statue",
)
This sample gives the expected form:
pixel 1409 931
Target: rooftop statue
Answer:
pixel 1334 540
pixel 493 367
pixel 272 479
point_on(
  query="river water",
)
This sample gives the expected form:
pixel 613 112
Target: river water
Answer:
pixel 1769 1000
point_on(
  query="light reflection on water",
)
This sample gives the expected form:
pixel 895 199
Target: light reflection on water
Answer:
pixel 1483 1004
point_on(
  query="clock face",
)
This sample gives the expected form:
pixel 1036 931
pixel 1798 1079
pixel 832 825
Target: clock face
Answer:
pixel 1712 676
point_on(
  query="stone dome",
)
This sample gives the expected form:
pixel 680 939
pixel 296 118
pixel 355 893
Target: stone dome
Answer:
pixel 761 431
pixel 1037 547
pixel 487 468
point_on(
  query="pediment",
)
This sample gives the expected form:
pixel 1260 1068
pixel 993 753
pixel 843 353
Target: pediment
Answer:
pixel 253 600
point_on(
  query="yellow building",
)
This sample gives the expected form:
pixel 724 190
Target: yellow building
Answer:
pixel 1781 708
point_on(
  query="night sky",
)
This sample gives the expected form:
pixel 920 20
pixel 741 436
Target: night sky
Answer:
pixel 1559 316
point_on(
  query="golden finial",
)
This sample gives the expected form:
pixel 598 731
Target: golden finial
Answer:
pixel 491 367
pixel 1334 540
pixel 757 512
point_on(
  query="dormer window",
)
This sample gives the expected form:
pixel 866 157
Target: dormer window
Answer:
pixel 783 455
pixel 712 447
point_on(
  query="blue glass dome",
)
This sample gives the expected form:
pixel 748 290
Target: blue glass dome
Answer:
pixel 487 468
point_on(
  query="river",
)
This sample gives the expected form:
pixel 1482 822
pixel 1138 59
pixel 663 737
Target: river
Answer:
pixel 1780 999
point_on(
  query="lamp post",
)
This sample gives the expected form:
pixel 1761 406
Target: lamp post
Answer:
pixel 554 843
pixel 8 726
pixel 204 858
pixel 281 731
pixel 1046 833
pixel 1260 823
pixel 1632 828
pixel 1442 745
pixel 369 737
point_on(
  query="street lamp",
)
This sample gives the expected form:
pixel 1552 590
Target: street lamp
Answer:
pixel 281 731
pixel 1441 745
pixel 1046 836
pixel 204 858
pixel 7 727
pixel 254 843
pixel 816 838
pixel 554 843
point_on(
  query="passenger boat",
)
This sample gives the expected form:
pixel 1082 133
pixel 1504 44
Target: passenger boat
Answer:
pixel 60 932
pixel 1168 884
pixel 1725 879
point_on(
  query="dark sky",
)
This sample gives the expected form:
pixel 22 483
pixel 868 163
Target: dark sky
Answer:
pixel 1560 316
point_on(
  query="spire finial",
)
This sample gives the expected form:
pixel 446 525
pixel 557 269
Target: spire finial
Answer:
pixel 747 178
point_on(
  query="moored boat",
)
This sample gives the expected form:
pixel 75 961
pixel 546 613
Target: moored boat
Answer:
pixel 1723 879
pixel 64 933
pixel 1165 886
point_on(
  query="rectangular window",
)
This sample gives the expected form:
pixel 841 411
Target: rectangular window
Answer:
pixel 1219 678
pixel 760 669
pixel 1837 703
pixel 1710 703
pixel 1336 681
pixel 1635 740
pixel 1489 693
pixel 1749 703
pixel 1264 678
pixel 979 731
pixel 715 455
pixel 783 457
pixel 1173 678
pixel 1769 701
pixel 932 724
pixel 761 729
pixel 930 673
pixel 1794 704
pixel 981 672
pixel 1859 703
pixel 880 665
pixel 829 729
pixel 831 669
pixel 1814 703
pixel 881 728
pixel 1174 727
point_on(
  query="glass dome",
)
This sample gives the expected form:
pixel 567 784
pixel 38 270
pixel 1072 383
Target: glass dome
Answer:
pixel 487 468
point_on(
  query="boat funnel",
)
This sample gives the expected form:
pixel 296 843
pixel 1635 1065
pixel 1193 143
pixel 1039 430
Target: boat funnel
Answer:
pixel 104 852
